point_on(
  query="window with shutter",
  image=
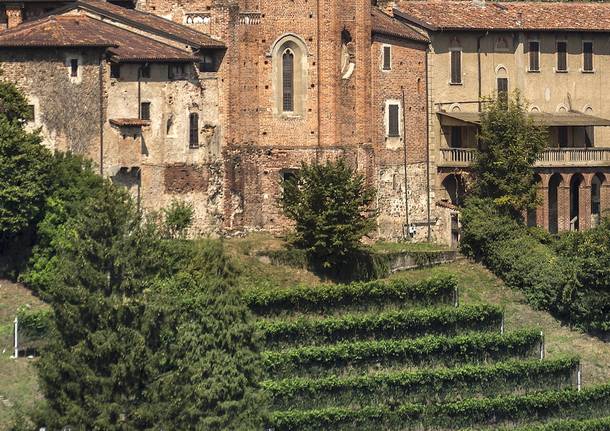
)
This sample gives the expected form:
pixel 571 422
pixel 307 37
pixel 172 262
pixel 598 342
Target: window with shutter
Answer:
pixel 393 120
pixel 288 80
pixel 194 130
pixel 387 58
pixel 145 111
pixel 587 52
pixel 534 51
pixel 562 56
pixel 456 66
pixel 74 67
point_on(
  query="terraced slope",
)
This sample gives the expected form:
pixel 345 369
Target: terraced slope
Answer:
pixel 400 355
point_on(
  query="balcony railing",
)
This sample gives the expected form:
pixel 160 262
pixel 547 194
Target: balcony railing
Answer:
pixel 463 157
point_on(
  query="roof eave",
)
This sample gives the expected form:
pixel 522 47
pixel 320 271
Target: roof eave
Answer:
pixel 397 12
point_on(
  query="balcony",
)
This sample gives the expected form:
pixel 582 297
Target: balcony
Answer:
pixel 551 157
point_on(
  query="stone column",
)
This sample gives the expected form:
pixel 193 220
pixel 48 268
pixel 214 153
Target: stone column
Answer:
pixel 563 206
pixel 604 195
pixel 584 202
pixel 542 212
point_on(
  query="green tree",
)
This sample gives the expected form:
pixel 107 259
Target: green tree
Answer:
pixel 148 334
pixel 24 167
pixel 510 143
pixel 330 205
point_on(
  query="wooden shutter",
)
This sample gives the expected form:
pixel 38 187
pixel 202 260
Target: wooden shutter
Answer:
pixel 587 50
pixel 534 50
pixel 562 59
pixel 393 120
pixel 387 58
pixel 145 111
pixel 288 81
pixel 456 67
pixel 194 130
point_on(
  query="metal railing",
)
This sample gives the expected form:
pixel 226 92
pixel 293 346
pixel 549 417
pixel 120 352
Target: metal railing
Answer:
pixel 550 157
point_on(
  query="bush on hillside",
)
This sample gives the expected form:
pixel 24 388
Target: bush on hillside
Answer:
pixel 331 206
pixel 178 218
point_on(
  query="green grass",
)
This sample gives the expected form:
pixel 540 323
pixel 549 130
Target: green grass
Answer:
pixel 19 387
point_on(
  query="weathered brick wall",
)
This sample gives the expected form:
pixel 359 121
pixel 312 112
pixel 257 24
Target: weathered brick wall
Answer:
pixel 66 108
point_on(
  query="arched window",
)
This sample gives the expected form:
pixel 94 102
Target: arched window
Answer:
pixel 288 81
pixel 289 76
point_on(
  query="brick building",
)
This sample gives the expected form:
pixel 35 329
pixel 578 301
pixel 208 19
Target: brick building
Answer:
pixel 264 85
pixel 217 101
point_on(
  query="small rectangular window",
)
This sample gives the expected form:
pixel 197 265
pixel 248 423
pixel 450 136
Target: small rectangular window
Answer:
pixel 562 56
pixel 393 120
pixel 194 130
pixel 145 71
pixel 587 56
pixel 456 67
pixel 115 70
pixel 456 137
pixel 208 63
pixel 145 111
pixel 534 52
pixel 74 67
pixel 387 58
pixel 176 71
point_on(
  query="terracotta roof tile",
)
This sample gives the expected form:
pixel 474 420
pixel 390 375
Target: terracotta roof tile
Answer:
pixel 152 23
pixel 84 31
pixel 386 25
pixel 129 122
pixel 498 16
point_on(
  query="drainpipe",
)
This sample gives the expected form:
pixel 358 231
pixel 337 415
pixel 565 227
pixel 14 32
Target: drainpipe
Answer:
pixel 479 67
pixel 101 107
pixel 404 138
pixel 139 91
pixel 427 146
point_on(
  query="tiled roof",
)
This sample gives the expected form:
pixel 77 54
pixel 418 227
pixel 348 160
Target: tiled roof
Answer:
pixel 129 122
pixel 498 16
pixel 386 25
pixel 55 31
pixel 84 31
pixel 151 23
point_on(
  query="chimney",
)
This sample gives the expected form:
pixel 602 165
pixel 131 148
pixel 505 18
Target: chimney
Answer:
pixel 479 3
pixel 387 6
pixel 13 15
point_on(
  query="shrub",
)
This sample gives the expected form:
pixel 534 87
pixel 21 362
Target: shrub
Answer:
pixel 423 386
pixel 178 218
pixel 357 295
pixel 387 324
pixel 330 205
pixel 312 360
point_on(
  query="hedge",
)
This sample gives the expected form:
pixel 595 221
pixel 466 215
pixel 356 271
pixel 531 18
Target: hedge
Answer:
pixel 387 324
pixel 504 410
pixel 423 386
pixel 356 296
pixel 602 424
pixel 441 350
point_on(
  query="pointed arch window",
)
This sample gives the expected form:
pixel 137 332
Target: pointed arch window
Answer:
pixel 288 81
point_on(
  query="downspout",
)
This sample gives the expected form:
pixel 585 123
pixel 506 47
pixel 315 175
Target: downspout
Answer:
pixel 139 91
pixel 404 137
pixel 319 17
pixel 101 107
pixel 427 146
pixel 480 90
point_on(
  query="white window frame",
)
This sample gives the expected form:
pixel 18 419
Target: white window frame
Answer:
pixel 460 50
pixel 387 119
pixel 383 48
pixel 582 56
pixel 557 42
pixel 529 54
